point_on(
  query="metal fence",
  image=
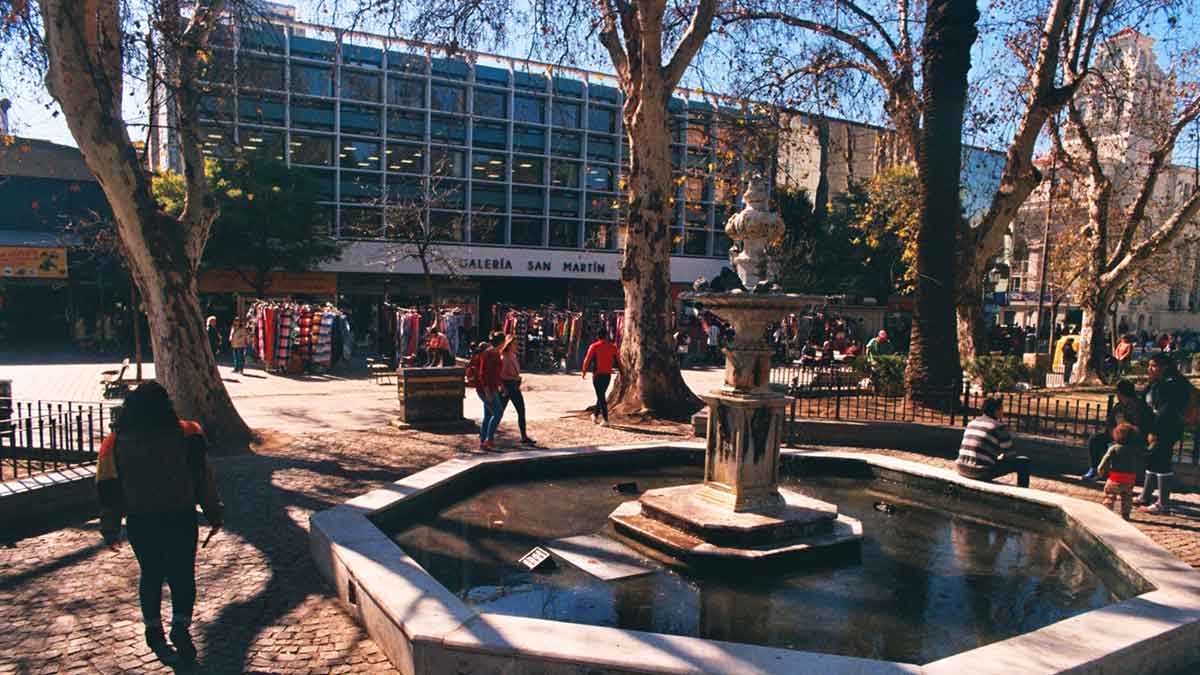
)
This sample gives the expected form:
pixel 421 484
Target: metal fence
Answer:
pixel 41 436
pixel 842 393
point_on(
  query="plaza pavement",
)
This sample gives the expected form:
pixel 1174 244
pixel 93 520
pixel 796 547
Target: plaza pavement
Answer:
pixel 342 400
pixel 69 605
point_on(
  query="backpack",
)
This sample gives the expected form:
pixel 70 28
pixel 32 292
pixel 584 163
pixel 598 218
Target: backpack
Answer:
pixel 1191 413
pixel 474 366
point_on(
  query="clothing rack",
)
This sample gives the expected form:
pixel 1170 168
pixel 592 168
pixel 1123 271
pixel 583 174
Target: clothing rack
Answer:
pixel 404 331
pixel 293 338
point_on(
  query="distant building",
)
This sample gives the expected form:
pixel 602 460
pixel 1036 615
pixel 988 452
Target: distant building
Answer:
pixel 1125 116
pixel 51 276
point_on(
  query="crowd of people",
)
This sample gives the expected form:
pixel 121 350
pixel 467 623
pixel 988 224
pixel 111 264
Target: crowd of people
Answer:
pixel 1139 434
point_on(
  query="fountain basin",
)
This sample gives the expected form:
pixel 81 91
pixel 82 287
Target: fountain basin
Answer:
pixel 423 627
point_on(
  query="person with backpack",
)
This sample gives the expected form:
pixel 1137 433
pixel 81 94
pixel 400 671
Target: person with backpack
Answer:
pixel 1069 356
pixel 483 373
pixel 602 358
pixel 152 471
pixel 1170 398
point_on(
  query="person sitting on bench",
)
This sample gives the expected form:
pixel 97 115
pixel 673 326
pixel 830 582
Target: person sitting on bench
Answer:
pixel 986 449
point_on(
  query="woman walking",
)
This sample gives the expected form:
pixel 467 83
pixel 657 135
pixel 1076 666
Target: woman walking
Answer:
pixel 152 471
pixel 214 335
pixel 602 359
pixel 239 339
pixel 510 375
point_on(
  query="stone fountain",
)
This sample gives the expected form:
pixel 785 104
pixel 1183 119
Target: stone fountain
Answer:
pixel 739 514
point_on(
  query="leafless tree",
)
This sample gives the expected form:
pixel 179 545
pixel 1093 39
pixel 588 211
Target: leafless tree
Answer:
pixel 1118 143
pixel 650 44
pixel 88 49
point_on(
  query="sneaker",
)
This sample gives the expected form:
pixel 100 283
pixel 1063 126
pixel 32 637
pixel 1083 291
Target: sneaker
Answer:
pixel 604 423
pixel 183 644
pixel 595 419
pixel 528 441
pixel 1089 476
pixel 1156 510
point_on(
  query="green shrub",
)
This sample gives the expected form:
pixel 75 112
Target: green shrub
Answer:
pixel 996 373
pixel 886 372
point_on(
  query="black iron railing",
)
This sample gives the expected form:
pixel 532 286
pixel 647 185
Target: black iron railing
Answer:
pixel 840 392
pixel 42 436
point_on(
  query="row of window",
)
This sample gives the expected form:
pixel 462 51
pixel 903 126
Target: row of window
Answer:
pixel 452 226
pixel 407 92
pixel 273 42
pixel 407 158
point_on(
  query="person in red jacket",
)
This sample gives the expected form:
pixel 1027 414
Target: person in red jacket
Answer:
pixel 602 359
pixel 490 388
pixel 152 471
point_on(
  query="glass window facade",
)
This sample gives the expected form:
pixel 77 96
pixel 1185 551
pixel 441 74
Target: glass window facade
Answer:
pixel 500 156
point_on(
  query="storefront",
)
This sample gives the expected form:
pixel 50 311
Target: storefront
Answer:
pixel 35 295
pixel 492 278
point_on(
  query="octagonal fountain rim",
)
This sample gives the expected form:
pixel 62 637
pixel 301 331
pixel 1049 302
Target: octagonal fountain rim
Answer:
pixel 424 628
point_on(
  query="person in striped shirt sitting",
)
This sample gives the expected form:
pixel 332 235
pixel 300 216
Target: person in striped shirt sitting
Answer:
pixel 986 449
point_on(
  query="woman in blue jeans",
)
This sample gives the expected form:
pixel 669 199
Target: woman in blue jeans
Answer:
pixel 484 370
pixel 510 375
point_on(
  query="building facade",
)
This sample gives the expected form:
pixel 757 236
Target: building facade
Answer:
pixel 1125 113
pixel 519 167
pixel 57 282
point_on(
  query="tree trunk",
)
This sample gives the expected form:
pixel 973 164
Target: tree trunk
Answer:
pixel 183 359
pixel 821 198
pixel 1093 346
pixel 970 328
pixel 933 363
pixel 83 48
pixel 972 333
pixel 650 381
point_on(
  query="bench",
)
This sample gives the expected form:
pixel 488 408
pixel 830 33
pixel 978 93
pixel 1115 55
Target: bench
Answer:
pixel 379 371
pixel 114 381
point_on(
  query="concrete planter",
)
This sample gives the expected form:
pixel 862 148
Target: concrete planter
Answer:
pixel 431 395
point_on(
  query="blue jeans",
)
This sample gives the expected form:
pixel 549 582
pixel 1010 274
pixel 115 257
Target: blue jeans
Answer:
pixel 493 410
pixel 239 359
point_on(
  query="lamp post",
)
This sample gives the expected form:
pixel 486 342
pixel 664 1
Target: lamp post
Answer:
pixel 1041 301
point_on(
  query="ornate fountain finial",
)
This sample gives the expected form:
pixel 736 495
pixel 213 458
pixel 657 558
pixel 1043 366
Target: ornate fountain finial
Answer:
pixel 756 226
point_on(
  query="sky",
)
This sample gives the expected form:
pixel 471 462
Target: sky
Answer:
pixel 35 115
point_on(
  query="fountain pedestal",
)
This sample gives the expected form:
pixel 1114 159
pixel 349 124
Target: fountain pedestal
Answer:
pixel 739 515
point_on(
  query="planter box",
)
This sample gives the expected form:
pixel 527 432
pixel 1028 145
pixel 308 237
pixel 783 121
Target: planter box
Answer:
pixel 431 394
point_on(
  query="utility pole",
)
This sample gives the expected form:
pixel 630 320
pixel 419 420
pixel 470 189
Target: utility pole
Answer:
pixel 1041 302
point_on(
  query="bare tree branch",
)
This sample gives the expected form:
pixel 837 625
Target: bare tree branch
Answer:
pixel 697 31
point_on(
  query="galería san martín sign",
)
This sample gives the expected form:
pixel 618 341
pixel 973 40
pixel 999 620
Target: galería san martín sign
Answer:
pixel 502 264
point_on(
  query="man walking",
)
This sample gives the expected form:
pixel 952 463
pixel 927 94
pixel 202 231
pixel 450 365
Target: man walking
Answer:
pixel 1167 396
pixel 602 358
pixel 986 450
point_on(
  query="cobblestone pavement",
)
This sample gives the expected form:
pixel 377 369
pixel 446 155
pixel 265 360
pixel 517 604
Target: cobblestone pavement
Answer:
pixel 69 605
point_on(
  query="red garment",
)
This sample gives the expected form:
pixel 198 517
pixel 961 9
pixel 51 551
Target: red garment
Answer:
pixel 605 355
pixel 1124 349
pixel 1123 477
pixel 489 372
